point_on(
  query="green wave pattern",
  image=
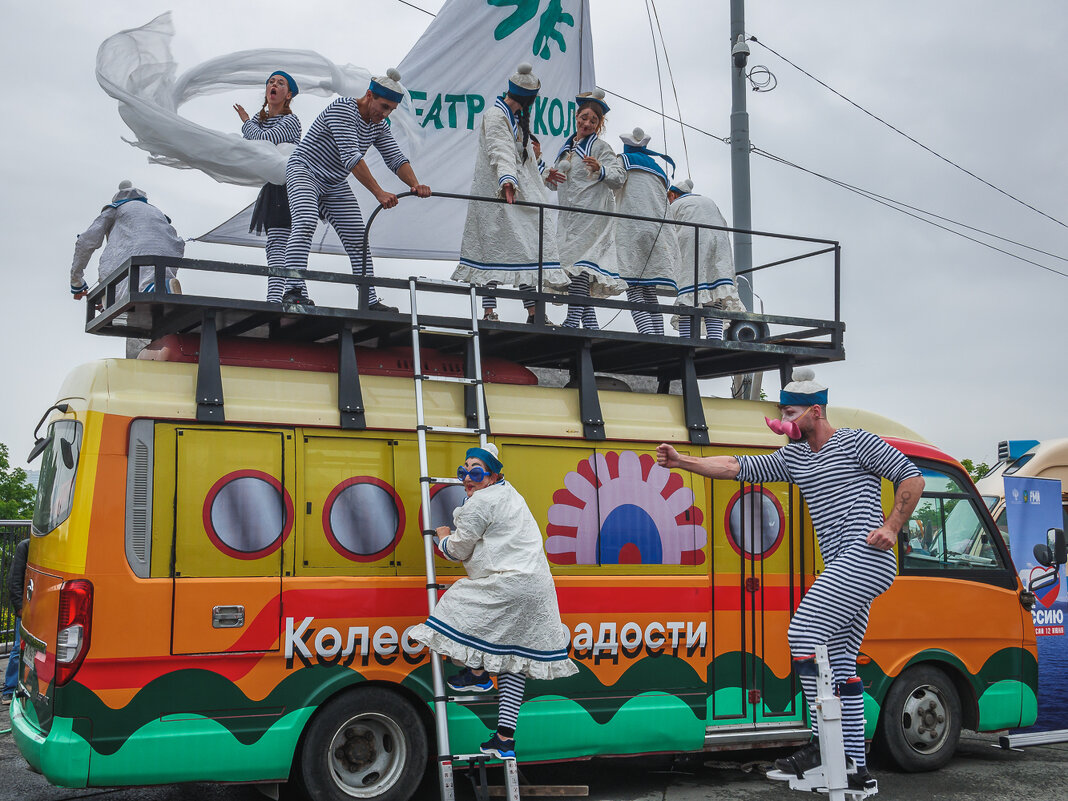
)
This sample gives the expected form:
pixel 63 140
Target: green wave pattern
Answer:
pixel 214 731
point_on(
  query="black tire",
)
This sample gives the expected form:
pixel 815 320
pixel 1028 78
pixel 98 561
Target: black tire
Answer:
pixel 920 721
pixel 368 743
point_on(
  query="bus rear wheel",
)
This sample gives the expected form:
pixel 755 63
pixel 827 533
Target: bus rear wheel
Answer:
pixel 920 722
pixel 368 743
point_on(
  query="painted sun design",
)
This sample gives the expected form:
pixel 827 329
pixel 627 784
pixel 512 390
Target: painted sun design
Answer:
pixel 623 508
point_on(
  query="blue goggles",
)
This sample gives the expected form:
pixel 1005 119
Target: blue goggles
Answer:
pixel 476 473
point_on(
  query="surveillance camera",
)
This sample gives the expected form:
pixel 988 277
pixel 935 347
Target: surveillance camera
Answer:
pixel 740 52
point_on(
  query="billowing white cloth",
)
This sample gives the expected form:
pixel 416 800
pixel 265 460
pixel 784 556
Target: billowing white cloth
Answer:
pixel 587 242
pixel 134 228
pixel 466 52
pixel 136 68
pixel 647 252
pixel 716 261
pixel 504 616
pixel 500 241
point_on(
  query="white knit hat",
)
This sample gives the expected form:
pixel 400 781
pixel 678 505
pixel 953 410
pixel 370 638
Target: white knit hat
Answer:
pixel 803 390
pixel 127 191
pixel 596 96
pixel 388 86
pixel 682 187
pixel 524 83
pixel 637 137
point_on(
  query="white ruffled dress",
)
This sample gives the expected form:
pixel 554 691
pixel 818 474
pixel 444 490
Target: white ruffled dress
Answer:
pixel 587 241
pixel 503 616
pixel 500 241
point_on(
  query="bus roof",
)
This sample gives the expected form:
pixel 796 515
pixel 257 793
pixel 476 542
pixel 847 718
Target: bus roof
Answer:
pixel 266 396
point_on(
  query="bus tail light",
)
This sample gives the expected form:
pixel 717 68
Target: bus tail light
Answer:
pixel 75 626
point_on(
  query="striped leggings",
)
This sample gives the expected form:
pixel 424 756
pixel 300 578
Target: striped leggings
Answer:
pixel 713 327
pixel 308 202
pixel 834 613
pixel 510 688
pixel 577 314
pixel 490 301
pixel 277 239
pixel 645 322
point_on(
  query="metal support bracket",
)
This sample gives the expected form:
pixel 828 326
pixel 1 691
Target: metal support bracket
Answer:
pixel 349 393
pixel 691 401
pixel 589 403
pixel 470 392
pixel 209 374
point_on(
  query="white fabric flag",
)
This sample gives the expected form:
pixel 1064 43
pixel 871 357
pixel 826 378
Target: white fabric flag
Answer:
pixel 454 72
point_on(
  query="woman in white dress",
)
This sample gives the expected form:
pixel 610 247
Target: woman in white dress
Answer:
pixel 586 175
pixel 647 252
pixel 503 618
pixel 500 241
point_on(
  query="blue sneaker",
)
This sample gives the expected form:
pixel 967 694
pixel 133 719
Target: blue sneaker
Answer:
pixel 467 681
pixel 499 747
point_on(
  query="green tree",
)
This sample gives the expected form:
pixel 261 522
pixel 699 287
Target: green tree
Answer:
pixel 16 494
pixel 976 471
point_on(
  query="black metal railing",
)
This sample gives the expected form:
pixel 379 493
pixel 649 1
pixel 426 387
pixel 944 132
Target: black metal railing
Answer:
pixel 11 533
pixel 831 246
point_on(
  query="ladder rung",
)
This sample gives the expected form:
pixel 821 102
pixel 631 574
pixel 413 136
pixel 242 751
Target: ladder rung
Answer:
pixel 452 429
pixel 441 480
pixel 476 757
pixel 449 332
pixel 449 379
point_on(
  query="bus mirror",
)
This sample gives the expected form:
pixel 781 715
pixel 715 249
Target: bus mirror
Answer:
pixel 1043 555
pixel 38 448
pixel 1055 543
pixel 1043 580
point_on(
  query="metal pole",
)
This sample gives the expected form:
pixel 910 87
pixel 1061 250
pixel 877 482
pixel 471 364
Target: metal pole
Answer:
pixel 747 386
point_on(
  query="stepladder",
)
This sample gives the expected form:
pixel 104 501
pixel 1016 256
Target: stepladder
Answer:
pixel 831 776
pixel 473 378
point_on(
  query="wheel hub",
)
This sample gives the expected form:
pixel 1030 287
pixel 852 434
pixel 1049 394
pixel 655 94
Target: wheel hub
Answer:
pixel 358 751
pixel 924 719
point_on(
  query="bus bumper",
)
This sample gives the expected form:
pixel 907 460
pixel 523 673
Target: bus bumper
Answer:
pixel 61 756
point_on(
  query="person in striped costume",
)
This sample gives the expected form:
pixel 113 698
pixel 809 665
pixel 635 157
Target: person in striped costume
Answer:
pixel 503 617
pixel 277 124
pixel 839 472
pixel 317 177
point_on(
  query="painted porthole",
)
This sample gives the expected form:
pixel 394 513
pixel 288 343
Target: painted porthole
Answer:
pixel 363 519
pixel 248 514
pixel 444 500
pixel 754 522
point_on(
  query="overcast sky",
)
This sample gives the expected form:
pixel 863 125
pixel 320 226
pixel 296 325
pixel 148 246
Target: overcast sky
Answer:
pixel 964 345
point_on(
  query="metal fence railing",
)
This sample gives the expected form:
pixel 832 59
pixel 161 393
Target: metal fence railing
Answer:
pixel 11 533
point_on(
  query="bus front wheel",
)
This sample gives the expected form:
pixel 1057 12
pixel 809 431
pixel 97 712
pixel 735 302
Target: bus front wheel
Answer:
pixel 919 726
pixel 368 743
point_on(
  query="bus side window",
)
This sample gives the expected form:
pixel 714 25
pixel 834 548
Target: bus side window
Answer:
pixel 946 530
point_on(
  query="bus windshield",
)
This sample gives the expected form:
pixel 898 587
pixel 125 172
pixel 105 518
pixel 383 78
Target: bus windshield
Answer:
pixel 59 466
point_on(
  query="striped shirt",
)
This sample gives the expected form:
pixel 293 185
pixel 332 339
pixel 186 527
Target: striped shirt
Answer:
pixel 840 482
pixel 340 137
pixel 278 129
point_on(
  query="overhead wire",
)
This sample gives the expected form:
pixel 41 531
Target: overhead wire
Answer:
pixel 900 206
pixel 674 88
pixel 907 136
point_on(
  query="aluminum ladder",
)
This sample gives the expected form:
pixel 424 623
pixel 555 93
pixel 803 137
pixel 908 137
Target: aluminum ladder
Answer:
pixel 441 716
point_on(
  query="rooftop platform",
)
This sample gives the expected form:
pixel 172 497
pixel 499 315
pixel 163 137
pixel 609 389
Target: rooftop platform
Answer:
pixel 754 342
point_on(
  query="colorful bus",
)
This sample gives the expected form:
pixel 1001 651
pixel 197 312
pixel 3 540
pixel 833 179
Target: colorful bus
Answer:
pixel 1048 459
pixel 229 600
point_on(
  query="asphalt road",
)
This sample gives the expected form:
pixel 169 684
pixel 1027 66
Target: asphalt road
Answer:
pixel 978 771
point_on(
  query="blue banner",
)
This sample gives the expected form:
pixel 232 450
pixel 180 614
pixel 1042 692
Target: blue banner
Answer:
pixel 1033 506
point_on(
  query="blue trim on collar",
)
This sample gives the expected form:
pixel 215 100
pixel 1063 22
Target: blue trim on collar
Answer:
pixel 509 114
pixel 118 203
pixel 640 161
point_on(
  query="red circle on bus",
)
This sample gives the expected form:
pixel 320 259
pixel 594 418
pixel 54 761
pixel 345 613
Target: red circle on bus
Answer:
pixel 373 505
pixel 229 524
pixel 769 508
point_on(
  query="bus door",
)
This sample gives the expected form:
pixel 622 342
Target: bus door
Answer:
pixel 233 516
pixel 759 551
pixel 353 515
